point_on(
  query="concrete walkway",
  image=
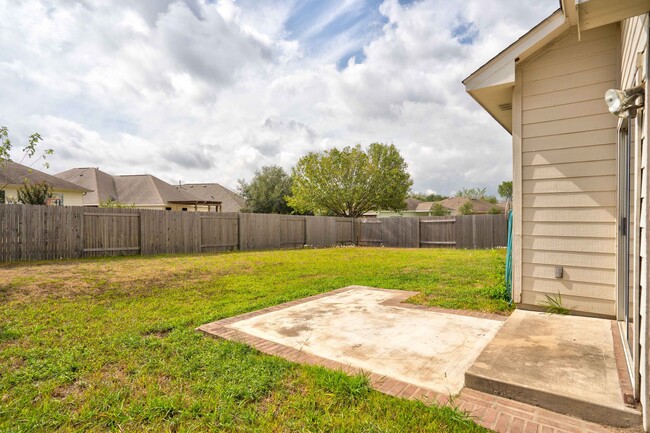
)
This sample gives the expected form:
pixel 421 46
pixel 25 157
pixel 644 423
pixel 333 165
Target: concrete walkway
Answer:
pixel 408 351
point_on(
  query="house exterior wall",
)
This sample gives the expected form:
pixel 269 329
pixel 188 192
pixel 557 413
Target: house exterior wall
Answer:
pixel 70 198
pixel 634 58
pixel 564 143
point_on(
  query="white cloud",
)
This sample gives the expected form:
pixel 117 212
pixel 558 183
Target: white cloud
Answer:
pixel 198 91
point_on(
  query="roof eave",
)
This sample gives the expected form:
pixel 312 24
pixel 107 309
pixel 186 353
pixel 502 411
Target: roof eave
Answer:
pixel 535 38
pixel 492 84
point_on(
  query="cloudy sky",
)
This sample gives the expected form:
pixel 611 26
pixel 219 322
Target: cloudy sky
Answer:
pixel 210 91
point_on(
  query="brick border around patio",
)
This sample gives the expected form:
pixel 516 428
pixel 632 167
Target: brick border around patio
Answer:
pixel 496 413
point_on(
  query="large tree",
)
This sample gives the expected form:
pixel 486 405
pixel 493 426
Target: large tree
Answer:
pixel 267 191
pixel 505 189
pixel 351 182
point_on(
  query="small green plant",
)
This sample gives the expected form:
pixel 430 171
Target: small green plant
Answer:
pixel 553 305
pixel 494 210
pixel 347 389
pixel 454 412
pixel 112 203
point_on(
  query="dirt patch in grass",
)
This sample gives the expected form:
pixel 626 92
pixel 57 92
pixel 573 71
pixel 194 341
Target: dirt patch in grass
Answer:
pixel 135 277
pixel 73 390
pixel 158 333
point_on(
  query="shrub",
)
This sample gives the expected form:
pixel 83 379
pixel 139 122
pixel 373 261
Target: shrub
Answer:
pixel 34 193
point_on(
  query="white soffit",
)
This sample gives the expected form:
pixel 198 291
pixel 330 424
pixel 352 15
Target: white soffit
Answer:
pixel 492 84
pixel 596 13
pixel 501 69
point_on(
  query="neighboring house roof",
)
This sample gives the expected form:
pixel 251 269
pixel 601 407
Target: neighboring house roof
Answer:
pixel 139 190
pixel 492 84
pixel 478 206
pixel 424 206
pixel 13 174
pixel 412 203
pixel 99 182
pixel 146 189
pixel 230 201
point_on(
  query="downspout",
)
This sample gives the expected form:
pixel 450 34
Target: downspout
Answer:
pixel 508 276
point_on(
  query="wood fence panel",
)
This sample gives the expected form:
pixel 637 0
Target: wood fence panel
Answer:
pixel 8 234
pixel 108 232
pixel 500 231
pixel 321 231
pixel 38 233
pixel 219 232
pixel 259 231
pixel 483 231
pixel 400 232
pixel 31 229
pixel 153 229
pixel 345 231
pixel 292 231
pixel 464 229
pixel 183 232
pixel 438 232
pixel 370 232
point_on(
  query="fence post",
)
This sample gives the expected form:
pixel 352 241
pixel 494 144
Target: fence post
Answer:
pixel 141 243
pixel 355 231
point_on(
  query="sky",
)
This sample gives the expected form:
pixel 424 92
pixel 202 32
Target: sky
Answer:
pixel 211 91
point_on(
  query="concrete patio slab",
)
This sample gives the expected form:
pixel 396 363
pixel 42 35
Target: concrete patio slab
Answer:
pixel 566 364
pixel 493 412
pixel 368 329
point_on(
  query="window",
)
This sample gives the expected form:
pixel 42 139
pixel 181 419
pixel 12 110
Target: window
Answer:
pixel 2 196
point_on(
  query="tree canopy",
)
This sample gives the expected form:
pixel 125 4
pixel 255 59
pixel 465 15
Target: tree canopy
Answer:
pixel 351 181
pixel 428 197
pixel 466 209
pixel 267 191
pixel 477 194
pixel 439 210
pixel 505 189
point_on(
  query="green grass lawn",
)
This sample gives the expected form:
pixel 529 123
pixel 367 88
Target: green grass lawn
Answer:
pixel 109 344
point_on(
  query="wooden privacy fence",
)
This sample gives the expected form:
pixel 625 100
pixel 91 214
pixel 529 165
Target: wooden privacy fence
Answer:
pixel 53 232
pixel 467 231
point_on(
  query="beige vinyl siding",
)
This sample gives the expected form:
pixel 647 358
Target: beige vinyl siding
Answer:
pixel 70 198
pixel 568 172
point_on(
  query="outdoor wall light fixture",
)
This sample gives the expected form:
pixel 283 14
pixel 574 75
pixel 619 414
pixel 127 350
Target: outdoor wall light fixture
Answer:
pixel 623 103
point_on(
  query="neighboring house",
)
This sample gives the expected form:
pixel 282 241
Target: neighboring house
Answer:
pixel 454 204
pixel 230 201
pixel 451 204
pixel 142 191
pixel 12 176
pixel 579 196
pixel 411 207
